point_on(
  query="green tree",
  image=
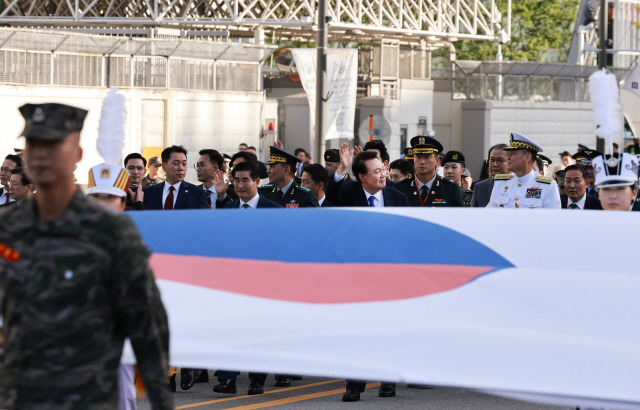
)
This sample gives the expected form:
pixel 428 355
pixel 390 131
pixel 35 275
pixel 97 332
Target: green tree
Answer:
pixel 541 31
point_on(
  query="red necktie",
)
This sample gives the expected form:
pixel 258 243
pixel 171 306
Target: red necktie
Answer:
pixel 168 203
pixel 7 199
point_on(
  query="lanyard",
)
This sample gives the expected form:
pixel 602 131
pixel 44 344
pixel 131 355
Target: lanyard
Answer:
pixel 420 195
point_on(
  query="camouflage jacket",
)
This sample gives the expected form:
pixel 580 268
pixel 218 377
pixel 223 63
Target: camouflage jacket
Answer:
pixel 73 290
pixel 146 181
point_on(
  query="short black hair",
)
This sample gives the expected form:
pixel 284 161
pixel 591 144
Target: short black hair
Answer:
pixel 378 145
pixel 317 172
pixel 252 147
pixel 615 145
pixel 247 156
pixel 134 155
pixel 495 147
pixel 214 157
pixel 15 158
pixel 166 153
pixel 575 167
pixel 299 150
pixel 252 167
pixel 359 165
pixel 404 166
pixel 540 164
pixel 24 179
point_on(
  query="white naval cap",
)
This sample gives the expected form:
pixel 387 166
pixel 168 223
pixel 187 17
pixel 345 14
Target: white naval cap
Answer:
pixel 613 171
pixel 518 141
pixel 108 179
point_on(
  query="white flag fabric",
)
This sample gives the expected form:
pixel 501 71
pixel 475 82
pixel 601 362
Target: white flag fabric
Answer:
pixel 342 86
pixel 632 83
pixel 471 298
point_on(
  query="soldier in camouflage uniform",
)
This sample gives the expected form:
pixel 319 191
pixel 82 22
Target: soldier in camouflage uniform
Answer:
pixel 282 188
pixel 75 282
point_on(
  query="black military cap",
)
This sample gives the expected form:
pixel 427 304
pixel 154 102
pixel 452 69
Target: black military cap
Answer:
pixel 425 145
pixel 544 158
pixel 226 156
pixel 278 156
pixel 408 154
pixel 453 156
pixel 51 121
pixel 585 157
pixel 332 155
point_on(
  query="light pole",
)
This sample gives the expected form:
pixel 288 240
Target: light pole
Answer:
pixel 321 80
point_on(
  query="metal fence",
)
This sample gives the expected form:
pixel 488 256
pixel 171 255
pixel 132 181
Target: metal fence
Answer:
pixel 79 60
pixel 522 81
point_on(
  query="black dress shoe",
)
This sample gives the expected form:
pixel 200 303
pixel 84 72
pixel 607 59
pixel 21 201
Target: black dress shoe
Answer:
pixel 172 383
pixel 202 376
pixel 187 378
pixel 255 388
pixel 351 395
pixel 225 386
pixel 387 390
pixel 282 381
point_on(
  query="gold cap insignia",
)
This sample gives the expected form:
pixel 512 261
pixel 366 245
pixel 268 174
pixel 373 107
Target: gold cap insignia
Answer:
pixel 105 173
pixel 454 157
pixel 421 140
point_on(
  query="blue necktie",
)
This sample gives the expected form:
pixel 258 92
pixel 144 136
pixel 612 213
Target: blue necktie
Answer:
pixel 372 201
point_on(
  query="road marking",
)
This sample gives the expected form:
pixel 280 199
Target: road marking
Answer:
pixel 204 403
pixel 295 399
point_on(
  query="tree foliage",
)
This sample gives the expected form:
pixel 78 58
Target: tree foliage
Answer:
pixel 541 31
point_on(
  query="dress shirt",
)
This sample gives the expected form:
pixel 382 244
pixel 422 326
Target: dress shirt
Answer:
pixel 285 189
pixel 253 202
pixel 165 192
pixel 3 197
pixel 320 201
pixel 213 196
pixel 429 183
pixel 581 202
pixel 379 198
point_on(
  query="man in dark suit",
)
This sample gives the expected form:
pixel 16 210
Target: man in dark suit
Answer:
pixel 315 178
pixel 369 188
pixel 246 179
pixel 576 182
pixel 427 188
pixel 10 162
pixel 175 193
pixel 498 163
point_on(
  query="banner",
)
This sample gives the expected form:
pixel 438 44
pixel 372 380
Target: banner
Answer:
pixel 342 84
pixel 632 82
pixel 536 305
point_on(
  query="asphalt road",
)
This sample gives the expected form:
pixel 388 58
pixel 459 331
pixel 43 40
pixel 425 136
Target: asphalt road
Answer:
pixel 314 393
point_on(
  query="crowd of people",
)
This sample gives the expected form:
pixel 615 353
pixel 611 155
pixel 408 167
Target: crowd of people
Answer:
pixel 517 177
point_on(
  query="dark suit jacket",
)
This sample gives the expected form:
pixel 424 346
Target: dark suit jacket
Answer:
pixel 262 203
pixel 590 202
pixel 444 193
pixel 482 193
pixel 326 203
pixel 189 197
pixel 352 194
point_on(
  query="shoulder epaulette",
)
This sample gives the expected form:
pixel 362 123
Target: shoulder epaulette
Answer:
pixel 544 180
pixel 303 189
pixel 267 186
pixel 499 177
pixel 447 181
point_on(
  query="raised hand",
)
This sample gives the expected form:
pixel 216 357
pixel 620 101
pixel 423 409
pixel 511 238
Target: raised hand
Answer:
pixel 357 150
pixel 346 158
pixel 219 183
pixel 278 144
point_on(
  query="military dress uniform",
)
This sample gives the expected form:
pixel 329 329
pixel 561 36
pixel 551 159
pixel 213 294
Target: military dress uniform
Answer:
pixel 443 192
pixel 296 196
pixel 73 290
pixel 529 191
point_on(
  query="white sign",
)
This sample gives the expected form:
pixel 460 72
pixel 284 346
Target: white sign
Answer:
pixel 632 83
pixel 342 82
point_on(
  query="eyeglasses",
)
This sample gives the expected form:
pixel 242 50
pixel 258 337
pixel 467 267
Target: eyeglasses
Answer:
pixel 10 183
pixel 200 165
pixel 498 161
pixel 5 169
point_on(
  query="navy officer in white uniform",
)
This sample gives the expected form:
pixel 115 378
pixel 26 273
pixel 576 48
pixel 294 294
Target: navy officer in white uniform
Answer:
pixel 523 187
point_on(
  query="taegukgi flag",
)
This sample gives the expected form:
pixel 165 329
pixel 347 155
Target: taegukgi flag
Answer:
pixel 473 298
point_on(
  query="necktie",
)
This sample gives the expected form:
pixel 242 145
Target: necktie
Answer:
pixel 245 206
pixel 279 196
pixel 574 206
pixel 424 191
pixel 372 200
pixel 208 191
pixel 7 199
pixel 168 203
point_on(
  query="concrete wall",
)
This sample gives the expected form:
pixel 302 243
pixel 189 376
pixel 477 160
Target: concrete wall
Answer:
pixel 195 120
pixel 447 117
